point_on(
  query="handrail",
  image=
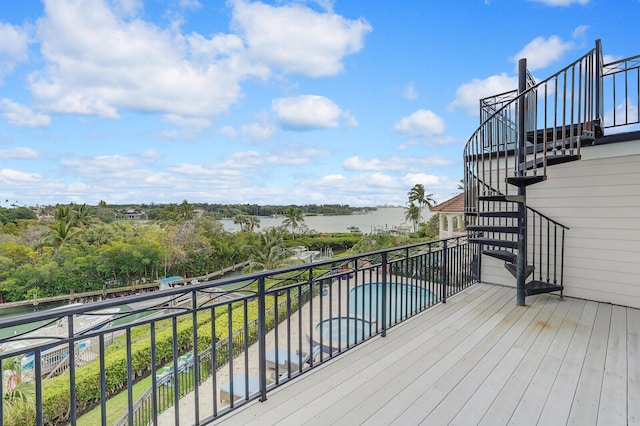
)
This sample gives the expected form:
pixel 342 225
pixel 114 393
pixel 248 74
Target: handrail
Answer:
pixel 571 116
pixel 555 222
pixel 411 278
pixel 620 93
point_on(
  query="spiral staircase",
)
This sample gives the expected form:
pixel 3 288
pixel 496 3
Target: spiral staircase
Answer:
pixel 522 133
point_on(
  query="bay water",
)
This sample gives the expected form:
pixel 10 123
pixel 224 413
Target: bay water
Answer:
pixel 383 217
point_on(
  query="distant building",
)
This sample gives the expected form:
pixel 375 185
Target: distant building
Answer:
pixel 130 214
pixel 451 217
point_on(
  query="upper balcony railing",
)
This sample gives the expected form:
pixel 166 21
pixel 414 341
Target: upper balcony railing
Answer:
pixel 215 346
pixel 620 90
pixel 520 129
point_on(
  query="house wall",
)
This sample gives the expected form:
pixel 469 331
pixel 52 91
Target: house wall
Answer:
pixel 598 197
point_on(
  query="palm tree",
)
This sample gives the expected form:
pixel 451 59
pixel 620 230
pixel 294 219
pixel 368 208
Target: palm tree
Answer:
pixel 253 222
pixel 419 195
pixel 185 210
pixel 64 229
pixel 81 215
pixel 293 218
pixel 63 214
pixel 241 219
pixel 412 214
pixel 268 254
pixel 61 233
pixel 18 392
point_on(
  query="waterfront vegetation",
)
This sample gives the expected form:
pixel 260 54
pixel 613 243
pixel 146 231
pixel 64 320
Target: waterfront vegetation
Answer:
pixel 61 250
pixel 49 252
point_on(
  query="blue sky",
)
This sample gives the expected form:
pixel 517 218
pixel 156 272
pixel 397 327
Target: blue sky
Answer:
pixel 267 102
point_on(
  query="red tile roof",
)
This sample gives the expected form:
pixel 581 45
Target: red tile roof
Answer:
pixel 452 205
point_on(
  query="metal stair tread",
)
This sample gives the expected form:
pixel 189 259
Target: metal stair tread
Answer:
pixel 500 213
pixel 502 198
pixel 513 269
pixel 538 287
pixel 525 180
pixel 494 242
pixel 493 228
pixel 550 159
pixel 505 255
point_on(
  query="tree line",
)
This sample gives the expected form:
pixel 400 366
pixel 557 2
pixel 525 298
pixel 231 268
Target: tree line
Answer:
pixel 80 248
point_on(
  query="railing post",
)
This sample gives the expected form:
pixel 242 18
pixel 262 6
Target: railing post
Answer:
pixel 444 273
pixel 385 283
pixel 261 339
pixel 72 370
pixel 196 366
pixel 599 84
pixel 522 191
pixel 478 255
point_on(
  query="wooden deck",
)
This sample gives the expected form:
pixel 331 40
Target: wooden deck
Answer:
pixel 478 359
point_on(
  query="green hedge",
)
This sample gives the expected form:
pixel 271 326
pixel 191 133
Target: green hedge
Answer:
pixel 56 391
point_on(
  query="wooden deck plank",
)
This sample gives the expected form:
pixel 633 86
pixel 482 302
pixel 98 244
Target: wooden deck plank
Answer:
pixel 473 411
pixel 413 360
pixel 461 382
pixel 613 399
pixel 530 406
pixel 556 409
pixel 408 391
pixel 471 351
pixel 441 317
pixel 477 358
pixel 502 408
pixel 633 366
pixel 584 410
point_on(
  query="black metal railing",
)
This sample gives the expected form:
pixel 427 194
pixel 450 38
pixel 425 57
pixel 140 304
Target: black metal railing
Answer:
pixel 620 88
pixel 521 130
pixel 214 346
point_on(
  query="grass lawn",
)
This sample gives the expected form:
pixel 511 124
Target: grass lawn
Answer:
pixel 116 406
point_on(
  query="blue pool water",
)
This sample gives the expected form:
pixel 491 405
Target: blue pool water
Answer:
pixel 402 300
pixel 342 331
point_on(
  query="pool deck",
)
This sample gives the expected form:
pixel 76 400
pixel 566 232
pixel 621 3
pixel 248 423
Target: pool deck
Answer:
pixel 478 359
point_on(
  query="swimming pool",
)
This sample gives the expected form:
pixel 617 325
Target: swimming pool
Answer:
pixel 402 300
pixel 342 331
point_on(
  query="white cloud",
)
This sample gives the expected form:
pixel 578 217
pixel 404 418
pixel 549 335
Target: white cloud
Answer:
pixel 422 123
pixel 102 57
pixel 10 176
pixel 98 63
pixel 189 127
pixel 19 152
pixel 410 93
pixel 190 4
pixel 425 179
pixel 562 2
pixel 306 112
pixel 469 94
pixel 349 120
pixel 396 163
pixel 14 43
pixel 256 132
pixel 195 122
pixel 296 39
pixel 228 131
pixel 101 165
pixel 541 52
pixel 580 31
pixel 20 115
pixel 150 155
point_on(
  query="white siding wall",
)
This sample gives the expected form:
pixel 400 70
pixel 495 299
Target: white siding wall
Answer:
pixel 598 197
